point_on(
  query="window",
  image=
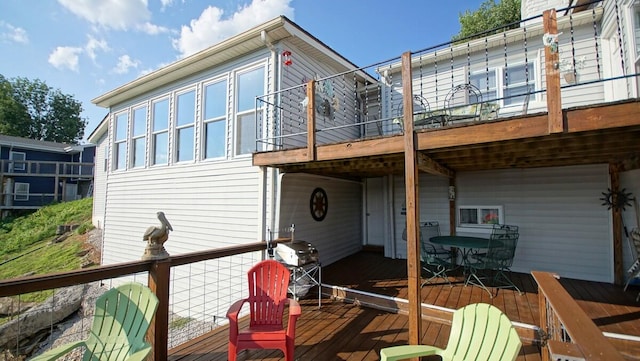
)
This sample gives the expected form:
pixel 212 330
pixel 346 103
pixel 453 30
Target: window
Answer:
pixel 480 216
pixel 215 121
pixel 636 29
pixel 185 121
pixel 160 131
pixel 120 140
pixel 138 138
pixel 250 84
pixel 514 83
pixel 17 163
pixel 21 191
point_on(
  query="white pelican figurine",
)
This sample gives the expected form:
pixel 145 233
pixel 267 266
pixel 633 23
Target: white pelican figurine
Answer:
pixel 158 235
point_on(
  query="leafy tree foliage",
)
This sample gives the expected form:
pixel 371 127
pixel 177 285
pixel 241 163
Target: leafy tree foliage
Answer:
pixel 32 109
pixel 488 17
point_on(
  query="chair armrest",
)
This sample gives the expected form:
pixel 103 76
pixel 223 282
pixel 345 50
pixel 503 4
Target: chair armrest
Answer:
pixel 55 353
pixel 234 310
pixel 294 313
pixel 140 354
pixel 407 351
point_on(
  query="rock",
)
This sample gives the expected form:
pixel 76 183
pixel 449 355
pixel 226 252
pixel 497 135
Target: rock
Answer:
pixel 10 307
pixel 58 307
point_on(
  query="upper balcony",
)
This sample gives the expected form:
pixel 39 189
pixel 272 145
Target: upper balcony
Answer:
pixel 556 89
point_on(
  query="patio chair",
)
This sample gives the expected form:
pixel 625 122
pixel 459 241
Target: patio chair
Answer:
pixel 479 331
pixel 634 271
pixel 120 322
pixel 463 103
pixel 498 259
pixel 434 258
pixel 268 285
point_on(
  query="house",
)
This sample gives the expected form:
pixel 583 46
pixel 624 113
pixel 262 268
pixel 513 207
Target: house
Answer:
pixel 35 173
pixel 272 128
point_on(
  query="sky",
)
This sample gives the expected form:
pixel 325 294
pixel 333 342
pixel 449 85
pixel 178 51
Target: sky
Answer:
pixel 86 48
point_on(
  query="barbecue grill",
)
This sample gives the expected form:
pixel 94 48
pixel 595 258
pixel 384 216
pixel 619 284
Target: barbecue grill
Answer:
pixel 296 253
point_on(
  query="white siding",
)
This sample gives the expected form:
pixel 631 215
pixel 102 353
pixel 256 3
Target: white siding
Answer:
pixel 340 233
pixel 100 182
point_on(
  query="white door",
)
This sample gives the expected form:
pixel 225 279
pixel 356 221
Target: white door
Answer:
pixel 375 212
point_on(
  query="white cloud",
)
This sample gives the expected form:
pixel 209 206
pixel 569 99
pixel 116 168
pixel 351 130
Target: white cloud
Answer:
pixel 65 57
pixel 211 28
pixel 94 44
pixel 152 29
pixel 124 64
pixel 165 4
pixel 12 33
pixel 114 14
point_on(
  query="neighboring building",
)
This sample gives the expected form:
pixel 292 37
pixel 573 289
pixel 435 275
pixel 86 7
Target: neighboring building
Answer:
pixel 35 173
pixel 183 140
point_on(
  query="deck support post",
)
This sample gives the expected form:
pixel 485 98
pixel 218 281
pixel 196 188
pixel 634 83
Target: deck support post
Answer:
pixel 616 216
pixel 311 121
pixel 552 70
pixel 413 212
pixel 158 335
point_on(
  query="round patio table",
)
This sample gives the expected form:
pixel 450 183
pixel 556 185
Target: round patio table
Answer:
pixel 466 243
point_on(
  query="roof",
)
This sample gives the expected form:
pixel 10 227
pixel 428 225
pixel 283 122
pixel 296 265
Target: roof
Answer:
pixel 251 40
pixel 27 143
pixel 101 129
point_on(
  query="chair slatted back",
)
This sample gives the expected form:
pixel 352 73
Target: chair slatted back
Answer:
pixel 121 320
pixel 634 235
pixel 502 246
pixel 268 285
pixel 482 332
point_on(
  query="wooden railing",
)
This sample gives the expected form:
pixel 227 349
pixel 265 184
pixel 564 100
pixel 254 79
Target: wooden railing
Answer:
pixel 567 332
pixel 40 168
pixel 159 276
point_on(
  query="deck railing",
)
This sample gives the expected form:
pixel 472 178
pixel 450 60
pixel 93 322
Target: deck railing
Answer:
pixel 186 309
pixel 545 63
pixel 40 168
pixel 567 332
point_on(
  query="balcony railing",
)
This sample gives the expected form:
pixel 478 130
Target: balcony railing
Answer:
pixel 545 64
pixel 40 168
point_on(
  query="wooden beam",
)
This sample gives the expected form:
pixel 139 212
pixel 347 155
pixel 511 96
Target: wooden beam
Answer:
pixel 552 64
pixel 428 165
pixel 158 334
pixel 616 214
pixel 311 120
pixel 413 212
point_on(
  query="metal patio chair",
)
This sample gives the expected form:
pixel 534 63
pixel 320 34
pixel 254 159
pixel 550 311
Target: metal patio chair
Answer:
pixel 634 271
pixel 478 332
pixel 497 260
pixel 120 322
pixel 434 258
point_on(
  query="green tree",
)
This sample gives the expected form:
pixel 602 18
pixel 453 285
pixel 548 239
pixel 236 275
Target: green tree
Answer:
pixel 488 17
pixel 32 109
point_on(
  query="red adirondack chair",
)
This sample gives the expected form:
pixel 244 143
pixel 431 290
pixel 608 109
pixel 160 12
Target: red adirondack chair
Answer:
pixel 268 284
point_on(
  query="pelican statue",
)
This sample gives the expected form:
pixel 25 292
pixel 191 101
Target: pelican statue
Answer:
pixel 158 235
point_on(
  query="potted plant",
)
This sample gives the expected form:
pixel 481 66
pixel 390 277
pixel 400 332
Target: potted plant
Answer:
pixel 569 68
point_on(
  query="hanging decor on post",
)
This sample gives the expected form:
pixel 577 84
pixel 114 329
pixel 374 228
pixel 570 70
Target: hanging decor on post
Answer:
pixel 617 200
pixel 319 204
pixel 286 58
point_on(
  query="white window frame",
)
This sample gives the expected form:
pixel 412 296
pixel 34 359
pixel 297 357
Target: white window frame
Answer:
pixel 21 194
pixel 18 164
pixel 180 127
pixel 118 142
pixel 155 133
pixel 238 114
pixel 223 118
pixel 500 86
pixel 136 137
pixel 481 222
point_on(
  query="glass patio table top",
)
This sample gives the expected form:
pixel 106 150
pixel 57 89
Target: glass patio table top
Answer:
pixel 466 242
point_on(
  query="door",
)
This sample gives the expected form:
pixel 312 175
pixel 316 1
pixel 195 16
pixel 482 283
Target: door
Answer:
pixel 375 212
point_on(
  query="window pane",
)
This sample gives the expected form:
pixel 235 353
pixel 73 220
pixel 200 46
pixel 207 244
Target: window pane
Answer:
pixel 517 94
pixel 138 152
pixel 517 74
pixel 215 136
pixel 160 145
pixel 161 115
pixel 121 126
pixel 486 83
pixel 121 155
pixel 246 139
pixel 186 108
pixel 185 144
pixel 139 121
pixel 468 216
pixel 215 100
pixel 250 85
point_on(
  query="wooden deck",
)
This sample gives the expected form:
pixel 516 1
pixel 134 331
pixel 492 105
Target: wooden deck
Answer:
pixel 347 331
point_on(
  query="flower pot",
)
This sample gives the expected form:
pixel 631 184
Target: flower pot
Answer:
pixel 570 77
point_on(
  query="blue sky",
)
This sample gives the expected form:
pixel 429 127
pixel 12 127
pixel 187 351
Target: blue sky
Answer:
pixel 86 48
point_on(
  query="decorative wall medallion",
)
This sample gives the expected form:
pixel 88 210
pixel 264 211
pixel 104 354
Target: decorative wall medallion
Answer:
pixel 319 204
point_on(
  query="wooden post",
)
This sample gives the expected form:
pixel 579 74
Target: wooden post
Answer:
pixel 544 327
pixel 552 65
pixel 616 215
pixel 311 120
pixel 158 335
pixel 413 211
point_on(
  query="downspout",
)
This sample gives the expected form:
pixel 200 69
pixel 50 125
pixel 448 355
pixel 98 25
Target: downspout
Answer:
pixel 268 172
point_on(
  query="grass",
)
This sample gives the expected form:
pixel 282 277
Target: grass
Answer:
pixel 26 247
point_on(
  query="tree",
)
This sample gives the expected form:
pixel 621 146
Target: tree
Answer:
pixel 32 109
pixel 488 17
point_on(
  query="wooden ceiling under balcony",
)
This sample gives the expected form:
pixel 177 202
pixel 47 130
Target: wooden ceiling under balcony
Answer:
pixel 601 134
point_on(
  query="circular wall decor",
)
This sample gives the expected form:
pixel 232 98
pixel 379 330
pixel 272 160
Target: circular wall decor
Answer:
pixel 319 204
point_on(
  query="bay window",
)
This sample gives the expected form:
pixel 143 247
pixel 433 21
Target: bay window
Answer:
pixel 120 141
pixel 250 84
pixel 160 132
pixel 185 125
pixel 138 136
pixel 215 120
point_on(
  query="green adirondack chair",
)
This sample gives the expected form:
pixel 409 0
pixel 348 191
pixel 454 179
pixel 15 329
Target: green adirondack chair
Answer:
pixel 121 320
pixel 479 332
